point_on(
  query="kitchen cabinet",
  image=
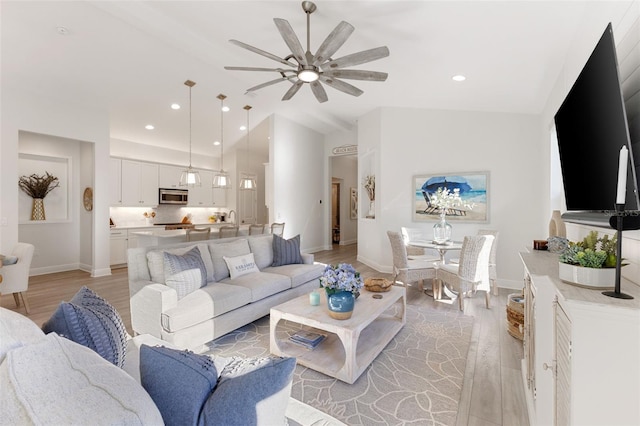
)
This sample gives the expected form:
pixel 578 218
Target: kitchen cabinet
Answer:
pixel 581 350
pixel 169 176
pixel 139 184
pixel 202 196
pixel 219 197
pixel 115 182
pixel 118 247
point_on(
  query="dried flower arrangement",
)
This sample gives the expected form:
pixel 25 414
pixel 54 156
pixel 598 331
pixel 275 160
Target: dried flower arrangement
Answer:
pixel 38 186
pixel 369 183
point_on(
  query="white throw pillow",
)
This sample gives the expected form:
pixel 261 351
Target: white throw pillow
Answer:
pixel 241 265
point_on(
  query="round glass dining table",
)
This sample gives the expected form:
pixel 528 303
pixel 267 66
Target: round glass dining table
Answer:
pixel 441 248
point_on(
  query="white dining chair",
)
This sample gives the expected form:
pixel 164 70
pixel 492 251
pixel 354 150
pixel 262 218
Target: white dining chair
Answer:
pixel 493 273
pixel 471 273
pixel 198 234
pixel 406 270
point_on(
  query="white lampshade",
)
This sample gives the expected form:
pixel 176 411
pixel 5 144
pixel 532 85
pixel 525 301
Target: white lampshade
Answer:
pixel 221 180
pixel 190 177
pixel 247 183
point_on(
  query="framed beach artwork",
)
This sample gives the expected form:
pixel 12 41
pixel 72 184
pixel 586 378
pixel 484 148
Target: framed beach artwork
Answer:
pixel 474 192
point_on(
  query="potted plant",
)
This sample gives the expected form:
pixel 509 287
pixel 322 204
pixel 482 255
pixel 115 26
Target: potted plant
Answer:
pixel 37 187
pixel 591 262
pixel 342 284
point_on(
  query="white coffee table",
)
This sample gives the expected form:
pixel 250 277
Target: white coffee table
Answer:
pixel 352 344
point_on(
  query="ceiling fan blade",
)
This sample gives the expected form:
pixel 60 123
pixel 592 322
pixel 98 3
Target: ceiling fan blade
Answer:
pixel 341 86
pixel 261 52
pixel 358 58
pixel 257 69
pixel 357 75
pixel 291 39
pixel 268 83
pixel 333 42
pixel 293 90
pixel 319 92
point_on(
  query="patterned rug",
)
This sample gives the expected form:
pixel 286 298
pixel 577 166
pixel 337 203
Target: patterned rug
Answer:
pixel 417 379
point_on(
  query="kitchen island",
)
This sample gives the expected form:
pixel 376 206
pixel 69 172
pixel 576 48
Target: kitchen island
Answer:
pixel 163 237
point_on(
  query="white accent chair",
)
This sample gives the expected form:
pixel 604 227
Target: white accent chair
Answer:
pixel 471 274
pixel 408 270
pixel 15 278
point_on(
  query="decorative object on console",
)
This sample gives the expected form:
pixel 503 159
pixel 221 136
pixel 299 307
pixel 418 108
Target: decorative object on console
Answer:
pixel 591 262
pixel 321 67
pixel 557 228
pixel 557 244
pixel 473 192
pixel 189 176
pixel 342 283
pixel 37 187
pixel 91 321
pixel 221 178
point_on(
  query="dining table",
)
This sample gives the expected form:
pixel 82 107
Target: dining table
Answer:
pixel 441 248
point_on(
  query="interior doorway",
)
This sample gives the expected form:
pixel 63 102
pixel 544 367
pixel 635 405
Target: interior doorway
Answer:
pixel 335 212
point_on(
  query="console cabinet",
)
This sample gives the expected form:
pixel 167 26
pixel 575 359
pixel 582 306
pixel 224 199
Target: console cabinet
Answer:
pixel 581 361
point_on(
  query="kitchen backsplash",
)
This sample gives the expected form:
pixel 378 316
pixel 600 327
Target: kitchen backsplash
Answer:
pixel 134 216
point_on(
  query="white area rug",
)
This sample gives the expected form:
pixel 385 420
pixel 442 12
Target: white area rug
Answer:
pixel 417 379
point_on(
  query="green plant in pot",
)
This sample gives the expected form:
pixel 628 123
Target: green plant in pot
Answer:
pixel 590 262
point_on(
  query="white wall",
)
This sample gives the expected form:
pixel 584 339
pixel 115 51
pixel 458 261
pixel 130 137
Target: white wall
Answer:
pixel 298 164
pixel 410 142
pixel 26 112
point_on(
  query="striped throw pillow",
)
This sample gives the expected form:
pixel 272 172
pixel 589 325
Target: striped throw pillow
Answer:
pixel 286 252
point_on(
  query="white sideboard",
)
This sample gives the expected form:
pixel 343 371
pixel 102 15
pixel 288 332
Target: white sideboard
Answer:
pixel 582 350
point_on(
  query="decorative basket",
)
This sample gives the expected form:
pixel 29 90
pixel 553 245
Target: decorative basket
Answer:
pixel 377 285
pixel 515 315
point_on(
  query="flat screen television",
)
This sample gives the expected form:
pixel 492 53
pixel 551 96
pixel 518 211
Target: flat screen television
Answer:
pixel 591 127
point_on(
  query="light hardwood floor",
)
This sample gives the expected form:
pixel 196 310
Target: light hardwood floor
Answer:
pixel 492 393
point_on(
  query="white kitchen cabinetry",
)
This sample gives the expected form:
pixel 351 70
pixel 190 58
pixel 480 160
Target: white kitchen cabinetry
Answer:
pixel 169 176
pixel 202 196
pixel 219 197
pixel 139 184
pixel 118 247
pixel 581 350
pixel 115 182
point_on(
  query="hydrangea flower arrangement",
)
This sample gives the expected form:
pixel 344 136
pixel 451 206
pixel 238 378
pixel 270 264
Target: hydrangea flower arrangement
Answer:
pixel 341 277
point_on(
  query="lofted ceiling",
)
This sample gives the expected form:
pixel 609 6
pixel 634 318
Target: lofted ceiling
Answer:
pixel 131 59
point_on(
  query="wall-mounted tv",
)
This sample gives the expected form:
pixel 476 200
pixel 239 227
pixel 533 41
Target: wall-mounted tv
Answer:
pixel 591 126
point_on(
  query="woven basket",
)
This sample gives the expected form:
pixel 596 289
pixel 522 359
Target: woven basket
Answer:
pixel 377 285
pixel 515 315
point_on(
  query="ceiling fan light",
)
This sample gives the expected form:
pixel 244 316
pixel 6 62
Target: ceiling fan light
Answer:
pixel 308 76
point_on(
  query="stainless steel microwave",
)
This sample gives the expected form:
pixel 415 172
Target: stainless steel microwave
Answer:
pixel 177 197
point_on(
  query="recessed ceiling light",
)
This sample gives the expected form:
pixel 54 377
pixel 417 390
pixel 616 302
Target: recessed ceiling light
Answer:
pixel 225 108
pixel 175 106
pixel 62 30
pixel 149 127
pixel 216 143
pixel 459 77
pixel 243 127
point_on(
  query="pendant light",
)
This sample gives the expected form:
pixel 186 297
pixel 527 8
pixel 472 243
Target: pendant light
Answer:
pixel 189 176
pixel 221 179
pixel 248 182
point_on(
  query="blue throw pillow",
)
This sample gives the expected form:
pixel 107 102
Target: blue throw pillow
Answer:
pixel 91 321
pixel 179 382
pixel 186 272
pixel 242 385
pixel 286 252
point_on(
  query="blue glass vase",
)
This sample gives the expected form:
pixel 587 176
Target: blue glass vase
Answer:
pixel 340 304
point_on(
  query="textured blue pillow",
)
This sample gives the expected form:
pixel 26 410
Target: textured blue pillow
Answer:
pixel 286 252
pixel 242 385
pixel 91 321
pixel 179 382
pixel 186 272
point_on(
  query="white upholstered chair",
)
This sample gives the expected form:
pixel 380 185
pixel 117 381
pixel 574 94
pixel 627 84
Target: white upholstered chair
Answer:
pixel 15 278
pixel 405 270
pixel 471 273
pixel 198 234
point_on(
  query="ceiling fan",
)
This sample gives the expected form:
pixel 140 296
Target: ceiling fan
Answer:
pixel 314 69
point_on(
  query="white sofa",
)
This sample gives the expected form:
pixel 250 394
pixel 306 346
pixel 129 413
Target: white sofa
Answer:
pixel 221 306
